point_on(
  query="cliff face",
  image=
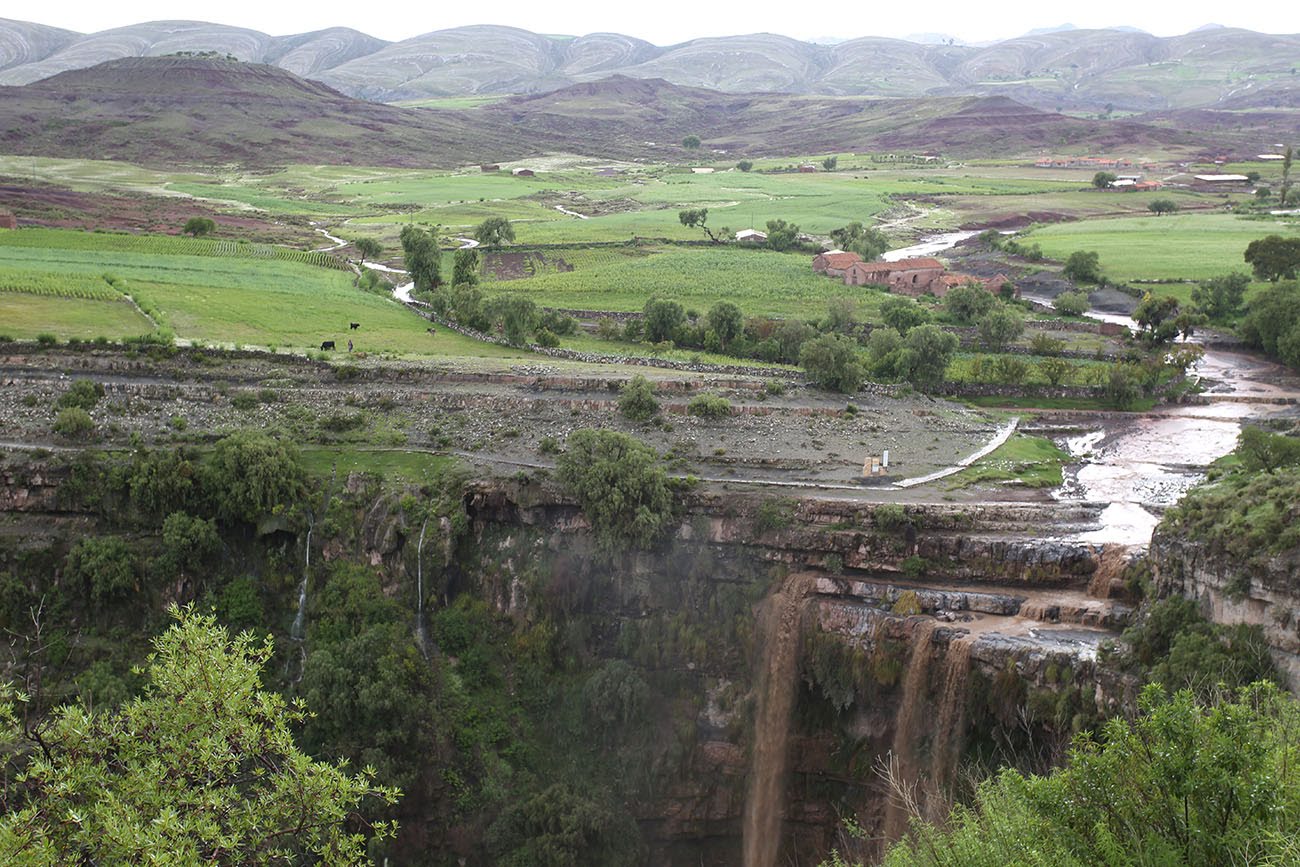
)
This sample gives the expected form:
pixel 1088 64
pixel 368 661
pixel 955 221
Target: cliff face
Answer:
pixel 1264 592
pixel 819 645
pixel 936 635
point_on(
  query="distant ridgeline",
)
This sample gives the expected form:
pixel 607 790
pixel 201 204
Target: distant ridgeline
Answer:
pixel 204 55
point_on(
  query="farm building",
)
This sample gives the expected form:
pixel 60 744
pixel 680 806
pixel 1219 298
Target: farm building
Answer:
pixel 913 277
pixel 835 263
pixel 8 220
pixel 904 277
pixel 489 167
pixel 523 173
pixel 807 169
pixel 1222 179
pixel 751 236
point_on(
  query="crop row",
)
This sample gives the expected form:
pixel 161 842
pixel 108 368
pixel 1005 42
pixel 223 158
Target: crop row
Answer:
pixel 80 286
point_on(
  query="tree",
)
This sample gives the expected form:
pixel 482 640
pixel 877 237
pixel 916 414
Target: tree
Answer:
pixel 636 399
pixel 1155 316
pixel 999 327
pixel 867 242
pixel 200 768
pixel 1220 298
pixel 465 267
pixel 1010 370
pixel 790 336
pixel 1072 303
pixel 1160 207
pixel 1274 257
pixel 829 163
pixel 691 142
pixel 561 825
pixel 662 319
pixel 1083 266
pixel 841 314
pixel 927 352
pixel 1187 321
pixel 902 314
pixel 1261 451
pixel 252 475
pixel 422 257
pixel 832 362
pixel 1055 369
pixel 374 697
pixel 726 321
pixel 367 248
pixel 1103 180
pixel 197 226
pixel 518 317
pixel 744 165
pixel 782 236
pixel 1123 385
pixel 620 486
pixel 1186 782
pixel 696 218
pixel 968 303
pixel 494 232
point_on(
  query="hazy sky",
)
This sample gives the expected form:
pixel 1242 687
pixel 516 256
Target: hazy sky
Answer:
pixel 669 21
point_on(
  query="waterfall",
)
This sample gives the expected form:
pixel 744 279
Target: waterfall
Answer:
pixel 949 731
pixel 300 621
pixel 907 726
pixel 419 592
pixel 777 632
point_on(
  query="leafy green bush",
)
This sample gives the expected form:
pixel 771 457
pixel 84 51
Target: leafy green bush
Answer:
pixel 709 406
pixel 251 475
pixel 104 566
pixel 1184 783
pixel 832 362
pixel 73 423
pixel 620 485
pixel 82 394
pixel 636 399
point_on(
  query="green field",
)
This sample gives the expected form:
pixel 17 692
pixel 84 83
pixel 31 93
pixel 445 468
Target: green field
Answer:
pixel 227 300
pixel 1181 246
pixel 25 316
pixel 761 282
pixel 1033 462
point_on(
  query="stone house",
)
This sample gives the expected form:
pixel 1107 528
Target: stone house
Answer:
pixel 8 220
pixel 905 277
pixel 835 263
pixel 751 236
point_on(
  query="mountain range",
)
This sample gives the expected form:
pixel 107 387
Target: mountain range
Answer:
pixel 1085 70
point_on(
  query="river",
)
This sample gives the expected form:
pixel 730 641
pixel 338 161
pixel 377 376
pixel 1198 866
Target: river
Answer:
pixel 1138 466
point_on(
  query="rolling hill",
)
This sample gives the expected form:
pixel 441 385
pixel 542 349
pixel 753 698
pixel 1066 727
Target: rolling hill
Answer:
pixel 202 111
pixel 1073 69
pixel 195 111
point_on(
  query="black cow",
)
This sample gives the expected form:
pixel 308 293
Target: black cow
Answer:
pixel 354 325
pixel 327 344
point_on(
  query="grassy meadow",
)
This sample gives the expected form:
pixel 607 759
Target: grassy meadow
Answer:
pixel 1175 247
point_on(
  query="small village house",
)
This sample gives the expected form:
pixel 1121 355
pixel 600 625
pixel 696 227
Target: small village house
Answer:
pixel 489 167
pixel 835 263
pixel 751 236
pixel 807 168
pixel 8 220
pixel 905 277
pixel 523 173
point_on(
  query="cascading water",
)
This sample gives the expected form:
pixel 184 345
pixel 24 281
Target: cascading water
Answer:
pixel 778 634
pixel 907 728
pixel 296 632
pixel 949 730
pixel 419 591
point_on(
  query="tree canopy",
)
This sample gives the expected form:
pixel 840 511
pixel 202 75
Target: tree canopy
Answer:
pixel 368 248
pixel 494 232
pixel 867 241
pixel 1273 257
pixel 200 769
pixel 1083 266
pixel 832 362
pixel 422 256
pixel 621 486
pixel 1185 783
pixel 197 226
